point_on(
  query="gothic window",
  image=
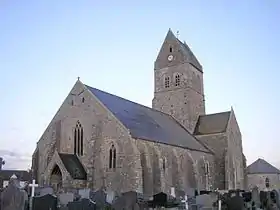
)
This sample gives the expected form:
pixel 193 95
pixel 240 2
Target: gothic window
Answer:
pixel 83 100
pixel 267 182
pixel 72 102
pixel 177 80
pixel 78 139
pixel 167 82
pixel 112 157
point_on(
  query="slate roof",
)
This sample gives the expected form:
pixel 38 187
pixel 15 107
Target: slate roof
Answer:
pixel 212 123
pixel 260 166
pixel 21 175
pixel 148 124
pixel 73 166
pixel 185 49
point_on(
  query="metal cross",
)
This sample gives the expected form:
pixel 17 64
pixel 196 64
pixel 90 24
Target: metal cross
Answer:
pixel 177 34
pixel 33 185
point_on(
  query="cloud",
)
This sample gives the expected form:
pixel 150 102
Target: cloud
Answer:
pixel 16 160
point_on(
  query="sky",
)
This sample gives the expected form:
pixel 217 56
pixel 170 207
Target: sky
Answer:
pixel 112 45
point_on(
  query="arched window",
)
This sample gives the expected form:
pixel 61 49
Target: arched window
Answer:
pixel 167 82
pixel 112 157
pixel 267 182
pixel 170 49
pixel 206 168
pixel 177 80
pixel 78 139
pixel 163 164
pixel 207 174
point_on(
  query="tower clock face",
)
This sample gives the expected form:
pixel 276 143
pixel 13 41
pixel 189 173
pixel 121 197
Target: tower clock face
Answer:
pixel 170 57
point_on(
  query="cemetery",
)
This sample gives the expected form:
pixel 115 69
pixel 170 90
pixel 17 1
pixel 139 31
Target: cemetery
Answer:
pixel 35 197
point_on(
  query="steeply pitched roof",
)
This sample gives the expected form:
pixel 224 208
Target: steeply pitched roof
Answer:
pixel 185 49
pixel 260 166
pixel 212 123
pixel 148 124
pixel 21 175
pixel 73 166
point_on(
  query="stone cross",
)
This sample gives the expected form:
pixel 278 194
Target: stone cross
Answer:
pixel 33 185
pixel 173 192
pixel 186 202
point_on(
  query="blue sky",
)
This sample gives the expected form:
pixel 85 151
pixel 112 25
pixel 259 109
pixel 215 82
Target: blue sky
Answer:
pixel 112 45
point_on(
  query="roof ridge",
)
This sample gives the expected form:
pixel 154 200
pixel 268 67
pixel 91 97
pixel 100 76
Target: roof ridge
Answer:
pixel 191 134
pixel 215 113
pixel 130 101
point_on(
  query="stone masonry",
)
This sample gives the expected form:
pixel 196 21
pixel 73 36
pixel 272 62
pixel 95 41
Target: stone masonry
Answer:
pixel 145 166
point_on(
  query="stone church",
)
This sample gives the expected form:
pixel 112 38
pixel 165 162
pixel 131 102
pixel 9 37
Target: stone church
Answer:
pixel 97 139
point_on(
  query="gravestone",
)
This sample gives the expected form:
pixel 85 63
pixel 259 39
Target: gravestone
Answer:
pixel 84 193
pixel 128 200
pixel 235 202
pixel 45 190
pixel 83 204
pixel 45 202
pixel 276 192
pixel 247 197
pixel 99 197
pixel 256 202
pixel 110 196
pixel 12 197
pixel 191 200
pixel 272 200
pixel 264 199
pixel 65 198
pixel 204 201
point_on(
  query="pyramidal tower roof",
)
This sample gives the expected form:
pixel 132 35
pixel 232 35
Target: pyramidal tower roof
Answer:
pixel 185 49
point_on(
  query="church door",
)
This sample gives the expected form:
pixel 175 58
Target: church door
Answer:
pixel 56 179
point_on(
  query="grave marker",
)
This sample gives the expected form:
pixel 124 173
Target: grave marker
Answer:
pixel 33 186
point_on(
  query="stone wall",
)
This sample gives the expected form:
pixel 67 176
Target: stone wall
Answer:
pixel 185 102
pixel 259 181
pixel 218 144
pixel 141 165
pixel 165 166
pixel 101 130
pixel 234 159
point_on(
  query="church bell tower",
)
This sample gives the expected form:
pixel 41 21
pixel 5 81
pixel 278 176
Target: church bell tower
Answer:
pixel 178 82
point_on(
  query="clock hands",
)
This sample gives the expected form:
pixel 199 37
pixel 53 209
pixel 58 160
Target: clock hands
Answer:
pixel 81 92
pixel 73 94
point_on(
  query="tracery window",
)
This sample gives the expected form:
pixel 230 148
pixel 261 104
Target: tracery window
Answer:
pixel 177 80
pixel 112 157
pixel 167 82
pixel 78 139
